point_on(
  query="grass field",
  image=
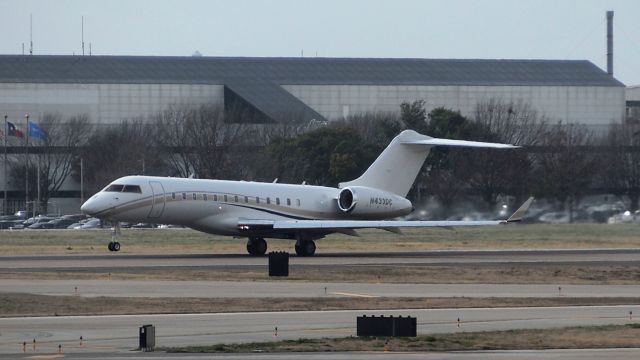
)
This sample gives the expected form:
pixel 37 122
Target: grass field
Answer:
pixel 476 274
pixel 517 236
pixel 12 305
pixel 591 337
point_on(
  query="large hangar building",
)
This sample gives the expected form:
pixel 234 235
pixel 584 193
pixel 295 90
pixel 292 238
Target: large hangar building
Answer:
pixel 112 88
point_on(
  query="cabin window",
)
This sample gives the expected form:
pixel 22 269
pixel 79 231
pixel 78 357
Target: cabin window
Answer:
pixel 246 199
pixel 132 189
pixel 225 198
pixel 277 201
pixel 235 198
pixel 298 202
pixel 114 188
pixel 184 196
pixel 268 200
pixel 173 196
pixel 288 202
pixel 204 197
pixel 195 196
pixel 257 200
pixel 215 197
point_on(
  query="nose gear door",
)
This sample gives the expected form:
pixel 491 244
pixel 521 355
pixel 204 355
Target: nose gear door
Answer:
pixel 157 205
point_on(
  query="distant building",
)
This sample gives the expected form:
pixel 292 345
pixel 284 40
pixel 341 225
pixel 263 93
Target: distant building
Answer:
pixel 633 103
pixel 112 88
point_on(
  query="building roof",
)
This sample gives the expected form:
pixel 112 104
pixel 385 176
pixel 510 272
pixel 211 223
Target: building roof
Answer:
pixel 258 80
pixel 356 71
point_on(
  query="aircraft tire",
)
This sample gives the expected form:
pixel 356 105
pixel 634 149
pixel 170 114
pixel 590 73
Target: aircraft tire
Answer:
pixel 116 246
pixel 256 246
pixel 110 246
pixel 305 248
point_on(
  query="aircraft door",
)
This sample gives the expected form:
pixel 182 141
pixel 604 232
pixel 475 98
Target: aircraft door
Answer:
pixel 157 205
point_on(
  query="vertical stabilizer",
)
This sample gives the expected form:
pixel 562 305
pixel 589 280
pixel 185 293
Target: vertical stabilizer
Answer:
pixel 396 168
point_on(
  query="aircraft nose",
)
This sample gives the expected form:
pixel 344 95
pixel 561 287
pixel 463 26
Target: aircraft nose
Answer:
pixel 89 207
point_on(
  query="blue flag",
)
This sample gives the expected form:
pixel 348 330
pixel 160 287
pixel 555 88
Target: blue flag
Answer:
pixel 36 132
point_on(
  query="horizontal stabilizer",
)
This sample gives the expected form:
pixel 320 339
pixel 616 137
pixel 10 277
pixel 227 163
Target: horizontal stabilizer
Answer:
pixel 462 143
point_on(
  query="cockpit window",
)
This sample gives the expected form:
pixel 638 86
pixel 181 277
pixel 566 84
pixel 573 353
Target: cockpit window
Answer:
pixel 132 189
pixel 124 188
pixel 114 188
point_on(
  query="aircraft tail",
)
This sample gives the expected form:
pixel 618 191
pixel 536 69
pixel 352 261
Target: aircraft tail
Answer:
pixel 397 166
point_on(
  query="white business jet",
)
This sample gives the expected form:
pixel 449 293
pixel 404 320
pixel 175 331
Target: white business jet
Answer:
pixel 303 213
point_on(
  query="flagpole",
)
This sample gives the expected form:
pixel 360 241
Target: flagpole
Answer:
pixel 26 176
pixel 81 180
pixel 4 168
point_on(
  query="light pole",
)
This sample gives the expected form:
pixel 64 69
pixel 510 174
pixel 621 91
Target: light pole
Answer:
pixel 4 168
pixel 26 176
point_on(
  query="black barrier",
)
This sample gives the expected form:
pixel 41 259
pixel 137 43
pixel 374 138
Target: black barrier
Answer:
pixel 278 263
pixel 386 326
pixel 147 337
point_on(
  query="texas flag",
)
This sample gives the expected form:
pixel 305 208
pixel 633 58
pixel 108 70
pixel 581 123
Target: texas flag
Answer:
pixel 12 130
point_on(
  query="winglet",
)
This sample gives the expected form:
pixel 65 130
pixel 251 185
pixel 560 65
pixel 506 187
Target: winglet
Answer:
pixel 519 214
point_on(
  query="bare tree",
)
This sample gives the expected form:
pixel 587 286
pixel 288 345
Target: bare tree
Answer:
pixel 53 153
pixel 203 140
pixel 118 150
pixel 493 173
pixel 565 170
pixel 621 165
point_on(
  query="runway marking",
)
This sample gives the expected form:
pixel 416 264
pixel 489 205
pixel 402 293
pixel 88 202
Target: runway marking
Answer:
pixel 354 295
pixel 47 357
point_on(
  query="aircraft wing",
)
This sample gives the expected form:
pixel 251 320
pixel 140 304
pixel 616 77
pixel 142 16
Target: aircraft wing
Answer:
pixel 376 224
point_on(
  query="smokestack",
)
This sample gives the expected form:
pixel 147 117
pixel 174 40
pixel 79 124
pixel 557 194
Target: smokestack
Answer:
pixel 610 42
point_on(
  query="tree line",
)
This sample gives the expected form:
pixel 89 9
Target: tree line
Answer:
pixel 558 161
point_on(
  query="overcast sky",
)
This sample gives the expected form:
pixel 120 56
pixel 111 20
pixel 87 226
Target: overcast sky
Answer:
pixel 488 29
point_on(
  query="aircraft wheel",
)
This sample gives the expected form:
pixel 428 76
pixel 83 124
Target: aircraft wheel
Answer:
pixel 110 246
pixel 256 246
pixel 305 248
pixel 116 246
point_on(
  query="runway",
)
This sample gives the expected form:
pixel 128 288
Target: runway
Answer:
pixel 111 261
pixel 299 289
pixel 562 354
pixel 111 337
pixel 120 333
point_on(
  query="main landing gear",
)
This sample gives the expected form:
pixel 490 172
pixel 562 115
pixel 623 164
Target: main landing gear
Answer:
pixel 305 247
pixel 256 246
pixel 114 245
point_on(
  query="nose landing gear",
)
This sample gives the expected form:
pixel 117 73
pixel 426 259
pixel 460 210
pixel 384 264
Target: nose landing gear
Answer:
pixel 256 246
pixel 114 245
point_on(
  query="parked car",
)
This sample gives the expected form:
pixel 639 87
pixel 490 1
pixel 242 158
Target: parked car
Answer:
pixel 59 223
pixel 37 219
pixel 79 223
pixel 92 223
pixel 143 226
pixel 8 221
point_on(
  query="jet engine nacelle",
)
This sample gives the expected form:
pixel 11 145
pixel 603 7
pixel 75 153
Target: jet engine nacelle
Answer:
pixel 361 200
